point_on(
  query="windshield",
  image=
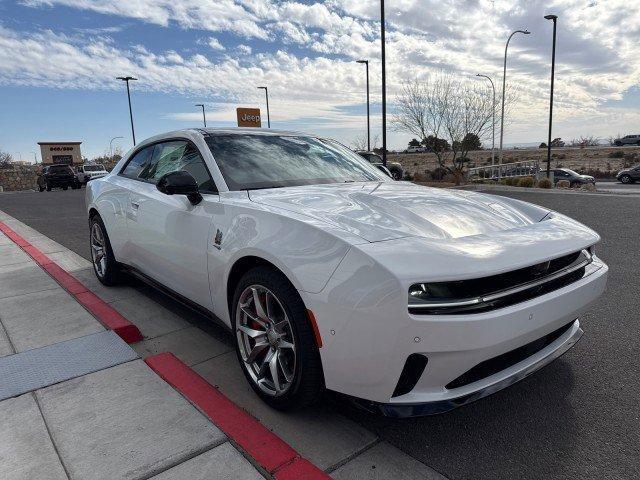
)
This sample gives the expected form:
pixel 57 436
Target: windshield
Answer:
pixel 93 168
pixel 571 172
pixel 250 162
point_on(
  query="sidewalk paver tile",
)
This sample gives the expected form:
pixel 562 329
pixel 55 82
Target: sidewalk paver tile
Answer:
pixel 151 318
pixel 382 462
pixel 191 345
pixel 4 240
pixel 24 278
pixel 123 422
pixel 44 318
pixel 318 434
pixel 5 345
pixel 12 254
pixel 222 462
pixel 26 451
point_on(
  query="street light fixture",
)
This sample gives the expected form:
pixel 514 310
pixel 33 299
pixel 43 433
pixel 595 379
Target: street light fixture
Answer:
pixel 111 145
pixel 127 80
pixel 204 118
pixel 266 93
pixel 504 84
pixel 554 18
pixel 366 63
pixel 493 123
pixel 384 87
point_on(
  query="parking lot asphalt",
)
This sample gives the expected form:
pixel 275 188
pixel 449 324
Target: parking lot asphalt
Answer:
pixel 577 418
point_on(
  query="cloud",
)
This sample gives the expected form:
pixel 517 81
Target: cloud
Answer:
pixel 215 44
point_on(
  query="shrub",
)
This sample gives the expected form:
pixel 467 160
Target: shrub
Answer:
pixel 544 183
pixel 526 182
pixel 407 176
pixel 563 184
pixel 616 154
pixel 422 177
pixel 589 187
pixel 512 181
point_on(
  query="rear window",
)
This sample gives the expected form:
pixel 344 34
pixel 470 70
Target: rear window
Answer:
pixel 60 168
pixel 93 168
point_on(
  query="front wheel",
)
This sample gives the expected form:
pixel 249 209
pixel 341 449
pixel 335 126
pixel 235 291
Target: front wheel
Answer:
pixel 275 342
pixel 625 179
pixel 104 263
pixel 396 174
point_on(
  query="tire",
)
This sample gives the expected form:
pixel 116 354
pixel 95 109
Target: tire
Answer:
pixel 396 173
pixel 40 188
pixel 302 363
pixel 626 179
pixel 107 272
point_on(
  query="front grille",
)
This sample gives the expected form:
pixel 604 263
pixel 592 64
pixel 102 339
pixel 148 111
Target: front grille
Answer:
pixel 506 360
pixel 497 291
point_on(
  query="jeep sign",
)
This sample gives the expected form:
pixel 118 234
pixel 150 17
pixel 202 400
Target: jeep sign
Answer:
pixel 249 117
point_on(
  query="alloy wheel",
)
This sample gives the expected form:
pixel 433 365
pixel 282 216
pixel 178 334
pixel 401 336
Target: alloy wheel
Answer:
pixel 265 339
pixel 98 251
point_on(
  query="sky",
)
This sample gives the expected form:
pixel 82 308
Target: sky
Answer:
pixel 59 60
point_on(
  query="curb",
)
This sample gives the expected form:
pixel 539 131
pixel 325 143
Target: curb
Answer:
pixel 267 449
pixel 101 310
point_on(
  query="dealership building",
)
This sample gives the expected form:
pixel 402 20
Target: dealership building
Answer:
pixel 54 153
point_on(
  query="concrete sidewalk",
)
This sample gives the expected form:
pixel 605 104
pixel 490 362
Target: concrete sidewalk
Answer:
pixel 123 421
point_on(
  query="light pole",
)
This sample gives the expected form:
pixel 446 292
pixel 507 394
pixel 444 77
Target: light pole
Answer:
pixel 384 87
pixel 493 123
pixel 266 94
pixel 554 18
pixel 366 63
pixel 111 145
pixel 504 84
pixel 35 158
pixel 127 80
pixel 204 118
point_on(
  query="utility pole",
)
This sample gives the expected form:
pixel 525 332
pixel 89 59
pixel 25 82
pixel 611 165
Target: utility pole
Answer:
pixel 266 93
pixel 493 123
pixel 204 117
pixel 384 87
pixel 366 63
pixel 127 80
pixel 554 18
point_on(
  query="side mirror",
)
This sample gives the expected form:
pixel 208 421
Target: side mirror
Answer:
pixel 180 183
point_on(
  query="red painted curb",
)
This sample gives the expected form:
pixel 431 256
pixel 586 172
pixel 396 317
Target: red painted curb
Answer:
pixel 106 314
pixel 265 447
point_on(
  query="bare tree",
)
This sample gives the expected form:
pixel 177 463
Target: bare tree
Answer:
pixel 586 141
pixel 359 144
pixel 5 159
pixel 446 108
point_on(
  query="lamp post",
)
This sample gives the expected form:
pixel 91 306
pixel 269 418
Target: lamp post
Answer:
pixel 554 18
pixel 504 84
pixel 266 94
pixel 493 122
pixel 127 80
pixel 35 158
pixel 204 117
pixel 366 63
pixel 384 87
pixel 111 145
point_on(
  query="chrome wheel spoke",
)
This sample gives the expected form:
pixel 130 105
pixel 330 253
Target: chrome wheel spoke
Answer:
pixel 252 316
pixel 258 348
pixel 255 334
pixel 273 368
pixel 257 303
pixel 288 376
pixel 289 345
pixel 280 326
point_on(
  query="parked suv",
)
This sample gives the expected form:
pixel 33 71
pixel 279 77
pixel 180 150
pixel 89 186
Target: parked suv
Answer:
pixel 629 175
pixel 89 171
pixel 394 168
pixel 628 140
pixel 57 176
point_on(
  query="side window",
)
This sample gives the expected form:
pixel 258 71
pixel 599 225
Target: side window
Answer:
pixel 179 155
pixel 138 163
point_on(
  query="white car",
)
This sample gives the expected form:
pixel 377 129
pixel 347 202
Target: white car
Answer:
pixel 90 171
pixel 412 300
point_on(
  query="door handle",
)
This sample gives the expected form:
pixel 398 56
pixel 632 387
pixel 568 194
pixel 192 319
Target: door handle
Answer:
pixel 135 205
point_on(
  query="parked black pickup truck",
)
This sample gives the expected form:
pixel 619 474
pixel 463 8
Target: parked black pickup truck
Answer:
pixel 57 176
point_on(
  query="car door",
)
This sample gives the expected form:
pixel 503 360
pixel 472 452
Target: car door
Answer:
pixel 168 233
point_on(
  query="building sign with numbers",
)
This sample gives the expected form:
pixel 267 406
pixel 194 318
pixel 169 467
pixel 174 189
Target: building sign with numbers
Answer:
pixel 55 153
pixel 249 117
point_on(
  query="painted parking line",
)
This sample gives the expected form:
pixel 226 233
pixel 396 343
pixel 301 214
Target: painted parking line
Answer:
pixel 268 450
pixel 101 310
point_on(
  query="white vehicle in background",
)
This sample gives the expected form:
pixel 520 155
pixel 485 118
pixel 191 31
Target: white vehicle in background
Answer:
pixel 412 300
pixel 90 171
pixel 416 149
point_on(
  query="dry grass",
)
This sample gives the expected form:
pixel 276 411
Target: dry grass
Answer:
pixel 596 161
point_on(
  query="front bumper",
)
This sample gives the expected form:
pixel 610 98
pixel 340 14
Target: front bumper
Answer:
pixel 366 343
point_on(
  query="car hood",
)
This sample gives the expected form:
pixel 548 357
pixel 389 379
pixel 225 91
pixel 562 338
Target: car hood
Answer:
pixel 390 210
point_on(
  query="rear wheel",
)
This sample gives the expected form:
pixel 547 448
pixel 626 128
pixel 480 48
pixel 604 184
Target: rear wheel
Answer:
pixel 275 342
pixel 40 188
pixel 625 179
pixel 104 263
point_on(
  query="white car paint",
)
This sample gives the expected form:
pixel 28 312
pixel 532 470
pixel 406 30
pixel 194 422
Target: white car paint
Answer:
pixel 83 175
pixel 352 251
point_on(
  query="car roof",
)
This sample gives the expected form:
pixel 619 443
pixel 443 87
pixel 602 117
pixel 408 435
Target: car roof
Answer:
pixel 247 131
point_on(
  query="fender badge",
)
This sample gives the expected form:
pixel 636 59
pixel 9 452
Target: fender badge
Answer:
pixel 217 240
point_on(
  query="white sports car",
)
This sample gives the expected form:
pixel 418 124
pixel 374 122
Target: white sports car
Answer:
pixel 411 300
